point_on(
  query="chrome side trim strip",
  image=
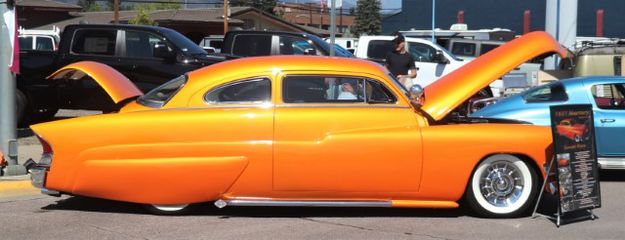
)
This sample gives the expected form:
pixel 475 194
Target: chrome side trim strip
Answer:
pixel 270 203
pixel 339 106
pixel 611 163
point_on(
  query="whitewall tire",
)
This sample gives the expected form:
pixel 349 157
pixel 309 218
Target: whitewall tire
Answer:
pixel 502 185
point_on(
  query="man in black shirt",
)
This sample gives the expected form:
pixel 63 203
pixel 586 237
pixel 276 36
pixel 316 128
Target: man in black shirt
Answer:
pixel 400 63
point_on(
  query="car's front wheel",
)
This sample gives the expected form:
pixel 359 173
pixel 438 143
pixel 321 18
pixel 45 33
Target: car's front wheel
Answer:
pixel 502 185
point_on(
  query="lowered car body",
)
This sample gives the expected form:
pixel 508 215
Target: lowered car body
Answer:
pixel 300 131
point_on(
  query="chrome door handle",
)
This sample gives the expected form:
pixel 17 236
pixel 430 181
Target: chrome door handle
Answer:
pixel 607 120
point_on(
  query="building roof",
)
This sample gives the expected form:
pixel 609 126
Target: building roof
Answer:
pixel 47 4
pixel 206 15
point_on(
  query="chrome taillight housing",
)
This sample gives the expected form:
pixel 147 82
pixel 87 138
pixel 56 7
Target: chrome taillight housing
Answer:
pixel 46 156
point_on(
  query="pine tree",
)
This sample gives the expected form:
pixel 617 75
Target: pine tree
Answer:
pixel 368 19
pixel 265 5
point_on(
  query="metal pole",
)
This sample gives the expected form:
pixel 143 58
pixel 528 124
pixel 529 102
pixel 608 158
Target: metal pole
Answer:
pixel 225 16
pixel 8 123
pixel 332 26
pixel 116 9
pixel 341 19
pixel 433 18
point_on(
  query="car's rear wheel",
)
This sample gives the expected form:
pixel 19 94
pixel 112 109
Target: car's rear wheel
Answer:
pixel 502 185
pixel 177 209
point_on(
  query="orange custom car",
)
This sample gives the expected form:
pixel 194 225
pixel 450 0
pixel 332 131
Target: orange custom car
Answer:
pixel 573 131
pixel 299 131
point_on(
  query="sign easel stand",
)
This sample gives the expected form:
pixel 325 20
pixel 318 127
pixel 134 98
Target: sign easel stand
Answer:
pixel 557 217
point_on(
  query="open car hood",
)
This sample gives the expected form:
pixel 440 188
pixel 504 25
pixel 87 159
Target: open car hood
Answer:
pixel 114 83
pixel 447 93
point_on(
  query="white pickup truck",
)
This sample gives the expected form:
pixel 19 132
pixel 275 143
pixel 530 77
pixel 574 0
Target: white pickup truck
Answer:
pixel 431 60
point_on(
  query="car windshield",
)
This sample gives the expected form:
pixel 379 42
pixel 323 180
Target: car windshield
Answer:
pixel 159 96
pixel 326 46
pixel 184 43
pixel 340 51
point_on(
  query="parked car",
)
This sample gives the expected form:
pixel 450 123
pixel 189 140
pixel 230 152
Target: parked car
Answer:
pixel 298 131
pixel 147 55
pixel 212 43
pixel 599 60
pixel 266 43
pixel 605 94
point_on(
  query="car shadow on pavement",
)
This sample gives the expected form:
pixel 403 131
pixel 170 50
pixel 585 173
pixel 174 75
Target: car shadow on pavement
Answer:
pixel 86 204
pixel 612 175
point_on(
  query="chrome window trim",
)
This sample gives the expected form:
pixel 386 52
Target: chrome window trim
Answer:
pixel 364 101
pixel 155 104
pixel 224 85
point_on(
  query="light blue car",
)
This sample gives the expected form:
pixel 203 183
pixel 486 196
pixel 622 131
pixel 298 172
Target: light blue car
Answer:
pixel 605 94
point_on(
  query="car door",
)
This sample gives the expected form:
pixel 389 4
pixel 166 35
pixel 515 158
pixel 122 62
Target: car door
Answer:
pixel 345 134
pixel 609 105
pixel 429 69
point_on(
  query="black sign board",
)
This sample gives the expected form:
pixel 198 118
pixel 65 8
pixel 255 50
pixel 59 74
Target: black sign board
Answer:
pixel 575 157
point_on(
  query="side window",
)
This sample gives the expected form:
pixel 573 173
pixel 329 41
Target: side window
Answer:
pixel 421 52
pixel 376 92
pixel 548 93
pixel 332 89
pixel 251 45
pixel 378 49
pixel 96 42
pixel 44 44
pixel 463 49
pixel 253 90
pixel 140 44
pixel 487 48
pixel 217 44
pixel 26 43
pixel 609 96
pixel 295 46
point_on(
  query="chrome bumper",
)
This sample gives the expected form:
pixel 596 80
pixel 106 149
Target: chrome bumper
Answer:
pixel 611 163
pixel 38 176
pixel 38 179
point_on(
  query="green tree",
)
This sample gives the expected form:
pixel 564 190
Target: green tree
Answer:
pixel 368 19
pixel 89 5
pixel 265 5
pixel 142 18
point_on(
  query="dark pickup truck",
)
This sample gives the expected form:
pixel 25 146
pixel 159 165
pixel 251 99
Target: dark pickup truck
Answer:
pixel 264 43
pixel 147 55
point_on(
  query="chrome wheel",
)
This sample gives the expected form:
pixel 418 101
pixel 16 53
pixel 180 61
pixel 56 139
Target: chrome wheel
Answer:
pixel 502 185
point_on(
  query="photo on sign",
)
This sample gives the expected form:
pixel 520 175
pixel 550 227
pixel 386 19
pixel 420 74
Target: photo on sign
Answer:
pixel 574 131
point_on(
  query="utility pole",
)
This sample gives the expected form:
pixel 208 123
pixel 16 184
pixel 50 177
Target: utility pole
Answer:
pixel 433 19
pixel 8 123
pixel 116 9
pixel 225 17
pixel 341 20
pixel 332 26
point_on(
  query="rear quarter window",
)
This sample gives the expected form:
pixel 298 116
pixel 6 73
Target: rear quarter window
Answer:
pixel 94 42
pixel 548 93
pixel 251 45
pixel 378 49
